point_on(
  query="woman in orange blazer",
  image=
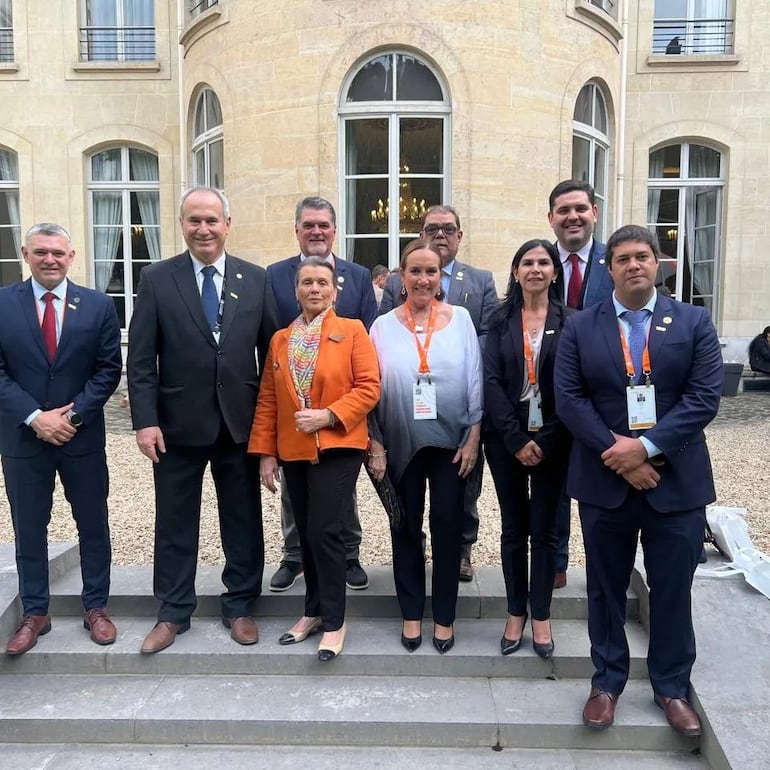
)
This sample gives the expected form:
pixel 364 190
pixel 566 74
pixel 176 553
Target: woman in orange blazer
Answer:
pixel 321 379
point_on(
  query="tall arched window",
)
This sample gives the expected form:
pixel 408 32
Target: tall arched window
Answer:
pixel 684 209
pixel 124 208
pixel 208 167
pixel 394 145
pixel 10 223
pixel 590 147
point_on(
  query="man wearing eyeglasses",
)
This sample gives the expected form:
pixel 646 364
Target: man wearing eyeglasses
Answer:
pixel 473 289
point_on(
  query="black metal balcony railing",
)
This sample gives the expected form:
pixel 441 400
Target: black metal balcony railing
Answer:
pixel 610 7
pixel 117 43
pixel 6 44
pixel 692 36
pixel 199 6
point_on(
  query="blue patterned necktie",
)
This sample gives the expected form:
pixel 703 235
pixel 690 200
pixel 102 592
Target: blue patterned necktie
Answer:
pixel 637 339
pixel 209 296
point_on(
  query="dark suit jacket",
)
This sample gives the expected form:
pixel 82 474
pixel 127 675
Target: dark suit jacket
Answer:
pixel 179 378
pixel 597 281
pixel 504 372
pixel 86 369
pixel 355 295
pixel 470 287
pixel 590 381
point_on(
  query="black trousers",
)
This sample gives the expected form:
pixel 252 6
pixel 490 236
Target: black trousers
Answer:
pixel 445 518
pixel 529 500
pixel 178 487
pixel 672 543
pixel 29 485
pixel 563 524
pixel 320 496
pixel 470 529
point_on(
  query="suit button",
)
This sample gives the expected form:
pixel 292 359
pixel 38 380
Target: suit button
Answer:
pixel 51 378
pixel 219 354
pixel 220 385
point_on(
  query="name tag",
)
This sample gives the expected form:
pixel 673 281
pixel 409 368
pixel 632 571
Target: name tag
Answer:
pixel 424 401
pixel 640 400
pixel 535 417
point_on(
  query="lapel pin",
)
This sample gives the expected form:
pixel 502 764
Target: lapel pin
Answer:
pixel 550 331
pixel 601 261
pixel 234 296
pixel 660 328
pixel 336 337
pixel 71 306
pixel 76 300
pixel 667 319
pixel 238 276
pixel 459 275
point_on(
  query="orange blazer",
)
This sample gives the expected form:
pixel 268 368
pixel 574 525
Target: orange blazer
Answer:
pixel 346 380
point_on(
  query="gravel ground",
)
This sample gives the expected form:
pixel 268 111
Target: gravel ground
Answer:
pixel 738 440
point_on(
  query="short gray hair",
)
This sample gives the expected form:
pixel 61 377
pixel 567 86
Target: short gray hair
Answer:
pixel 315 262
pixel 318 204
pixel 47 228
pixel 222 198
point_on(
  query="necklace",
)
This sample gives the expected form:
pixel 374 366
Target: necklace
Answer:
pixel 420 327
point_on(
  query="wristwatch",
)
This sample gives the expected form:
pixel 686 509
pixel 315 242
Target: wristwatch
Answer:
pixel 75 419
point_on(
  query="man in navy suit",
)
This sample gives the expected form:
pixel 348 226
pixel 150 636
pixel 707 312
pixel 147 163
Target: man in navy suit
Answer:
pixel 638 377
pixel 202 321
pixel 582 281
pixel 60 361
pixel 315 225
pixel 471 288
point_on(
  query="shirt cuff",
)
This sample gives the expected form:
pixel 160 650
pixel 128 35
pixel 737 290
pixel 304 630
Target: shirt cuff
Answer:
pixel 649 447
pixel 32 416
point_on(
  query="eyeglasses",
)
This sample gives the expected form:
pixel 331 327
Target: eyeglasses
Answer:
pixel 432 230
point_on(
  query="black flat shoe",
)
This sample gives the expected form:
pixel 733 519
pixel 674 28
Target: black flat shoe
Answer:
pixel 411 644
pixel 444 645
pixel 544 650
pixel 508 646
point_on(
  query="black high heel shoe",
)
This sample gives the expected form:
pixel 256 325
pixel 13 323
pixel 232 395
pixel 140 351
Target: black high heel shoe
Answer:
pixel 443 645
pixel 544 650
pixel 509 646
pixel 411 644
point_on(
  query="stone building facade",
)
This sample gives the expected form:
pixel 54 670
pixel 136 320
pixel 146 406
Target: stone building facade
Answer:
pixel 111 107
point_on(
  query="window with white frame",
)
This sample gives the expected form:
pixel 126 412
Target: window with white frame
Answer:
pixel 208 166
pixel 6 31
pixel 394 144
pixel 687 27
pixel 10 223
pixel 124 208
pixel 197 7
pixel 685 193
pixel 591 147
pixel 118 30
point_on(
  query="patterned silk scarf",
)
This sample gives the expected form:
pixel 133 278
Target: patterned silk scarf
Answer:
pixel 304 339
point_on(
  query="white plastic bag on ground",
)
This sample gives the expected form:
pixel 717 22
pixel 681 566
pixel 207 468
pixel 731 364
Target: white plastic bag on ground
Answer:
pixel 731 536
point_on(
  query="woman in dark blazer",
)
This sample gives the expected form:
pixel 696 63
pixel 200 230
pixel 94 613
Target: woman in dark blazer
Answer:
pixel 526 445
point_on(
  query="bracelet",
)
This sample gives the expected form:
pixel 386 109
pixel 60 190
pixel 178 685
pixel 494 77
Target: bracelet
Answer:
pixel 380 454
pixel 332 418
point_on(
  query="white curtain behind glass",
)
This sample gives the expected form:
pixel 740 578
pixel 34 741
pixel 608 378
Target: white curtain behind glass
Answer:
pixel 653 196
pixel 709 36
pixel 107 228
pixel 9 173
pixel 144 168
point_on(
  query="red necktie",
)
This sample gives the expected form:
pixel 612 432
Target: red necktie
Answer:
pixel 575 282
pixel 49 324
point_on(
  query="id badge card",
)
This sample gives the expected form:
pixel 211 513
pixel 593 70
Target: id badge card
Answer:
pixel 424 401
pixel 535 416
pixel 641 406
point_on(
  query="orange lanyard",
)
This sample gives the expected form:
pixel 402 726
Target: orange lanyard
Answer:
pixel 422 350
pixel 528 357
pixel 646 366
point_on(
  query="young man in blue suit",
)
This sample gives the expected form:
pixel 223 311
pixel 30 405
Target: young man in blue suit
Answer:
pixel 315 225
pixel 638 377
pixel 60 361
pixel 471 288
pixel 583 281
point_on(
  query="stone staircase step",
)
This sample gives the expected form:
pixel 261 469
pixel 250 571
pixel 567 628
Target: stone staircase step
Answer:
pixel 131 595
pixel 203 757
pixel 372 648
pixel 320 710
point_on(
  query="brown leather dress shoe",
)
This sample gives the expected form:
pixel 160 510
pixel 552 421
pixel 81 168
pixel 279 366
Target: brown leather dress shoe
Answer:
pixel 26 635
pixel 466 570
pixel 560 580
pixel 679 714
pixel 599 711
pixel 242 630
pixel 163 635
pixel 102 629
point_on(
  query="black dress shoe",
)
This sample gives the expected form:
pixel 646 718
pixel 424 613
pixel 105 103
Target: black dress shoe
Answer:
pixel 544 649
pixel 444 645
pixel 508 646
pixel 411 644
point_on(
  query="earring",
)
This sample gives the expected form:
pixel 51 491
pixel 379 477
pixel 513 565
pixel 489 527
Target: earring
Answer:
pixel 403 291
